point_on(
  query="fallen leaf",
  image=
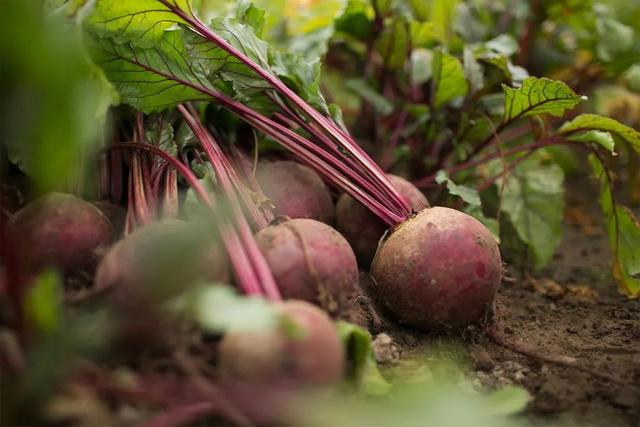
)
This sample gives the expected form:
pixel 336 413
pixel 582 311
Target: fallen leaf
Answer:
pixel 583 293
pixel 577 216
pixel 547 287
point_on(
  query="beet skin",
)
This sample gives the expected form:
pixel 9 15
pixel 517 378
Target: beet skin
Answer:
pixel 60 230
pixel 439 269
pixel 295 190
pixel 312 355
pixel 310 261
pixel 363 229
pixel 164 256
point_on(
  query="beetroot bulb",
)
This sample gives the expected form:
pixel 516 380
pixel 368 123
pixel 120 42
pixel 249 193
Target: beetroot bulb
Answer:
pixel 310 261
pixel 313 355
pixel 439 269
pixel 167 255
pixel 363 229
pixel 295 190
pixel 60 230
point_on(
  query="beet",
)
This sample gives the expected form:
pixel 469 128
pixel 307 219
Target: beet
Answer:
pixel 313 356
pixel 116 214
pixel 166 255
pixel 363 229
pixel 60 230
pixel 310 261
pixel 295 190
pixel 439 269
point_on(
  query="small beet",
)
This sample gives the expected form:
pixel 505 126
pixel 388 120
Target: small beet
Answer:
pixel 310 261
pixel 165 256
pixel 313 356
pixel 295 190
pixel 439 269
pixel 60 230
pixel 363 229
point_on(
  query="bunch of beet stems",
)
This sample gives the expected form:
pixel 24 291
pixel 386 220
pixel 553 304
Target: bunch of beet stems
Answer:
pixel 334 154
pixel 152 186
pixel 250 269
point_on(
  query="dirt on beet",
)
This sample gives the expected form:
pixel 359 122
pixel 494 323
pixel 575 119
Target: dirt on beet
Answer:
pixel 565 334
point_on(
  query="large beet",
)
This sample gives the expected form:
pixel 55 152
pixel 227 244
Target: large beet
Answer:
pixel 363 229
pixel 164 256
pixel 310 261
pixel 295 190
pixel 438 269
pixel 62 231
pixel 117 214
pixel 314 354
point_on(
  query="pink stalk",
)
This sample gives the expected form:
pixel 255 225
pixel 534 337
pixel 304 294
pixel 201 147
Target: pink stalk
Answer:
pixel 137 187
pixel 242 266
pixel 244 167
pixel 221 167
pixel 396 203
pixel 170 203
pixel 259 218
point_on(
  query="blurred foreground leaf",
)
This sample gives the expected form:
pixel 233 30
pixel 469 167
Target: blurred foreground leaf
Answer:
pixel 54 100
pixel 43 302
pixel 363 369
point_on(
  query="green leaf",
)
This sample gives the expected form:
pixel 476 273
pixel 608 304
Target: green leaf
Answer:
pixel 533 199
pixel 504 45
pixel 613 36
pixel 538 96
pixel 604 139
pixel 632 76
pixel 623 229
pixel 54 100
pixel 421 33
pixel 152 79
pixel 220 309
pixel 43 302
pixel 507 401
pixel 421 66
pixel 594 122
pixel 140 22
pixel 448 78
pixel 472 70
pixel 363 370
pixel 381 104
pixel 491 223
pixel 443 15
pixel 155 70
pixel 393 43
pixel 301 75
pixel 467 194
pixel 159 132
pixel 356 19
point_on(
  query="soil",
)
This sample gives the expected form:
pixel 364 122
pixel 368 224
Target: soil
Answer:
pixel 565 334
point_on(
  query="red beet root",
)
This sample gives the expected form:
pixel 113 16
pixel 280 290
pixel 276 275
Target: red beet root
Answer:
pixel 295 190
pixel 438 269
pixel 310 261
pixel 116 214
pixel 314 358
pixel 60 230
pixel 164 256
pixel 362 228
